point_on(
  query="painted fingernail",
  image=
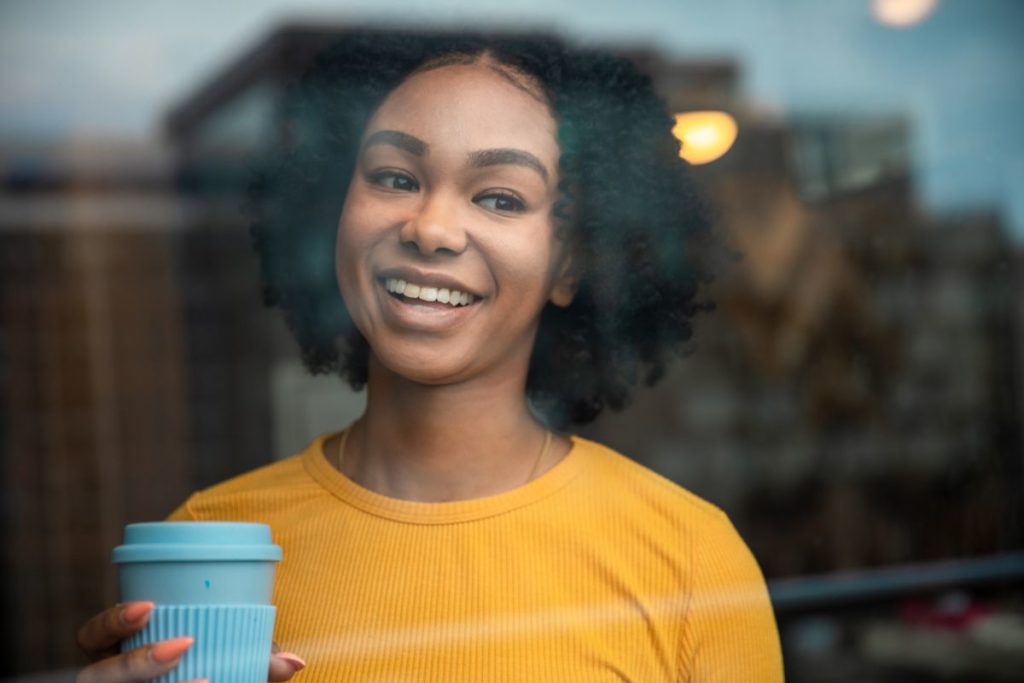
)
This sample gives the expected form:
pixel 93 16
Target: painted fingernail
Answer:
pixel 135 611
pixel 169 650
pixel 295 661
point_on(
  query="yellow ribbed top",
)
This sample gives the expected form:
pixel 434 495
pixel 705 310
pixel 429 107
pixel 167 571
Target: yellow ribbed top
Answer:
pixel 598 570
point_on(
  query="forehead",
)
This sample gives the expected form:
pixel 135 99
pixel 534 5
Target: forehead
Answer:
pixel 471 106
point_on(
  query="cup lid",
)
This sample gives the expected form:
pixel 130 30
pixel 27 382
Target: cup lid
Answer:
pixel 196 541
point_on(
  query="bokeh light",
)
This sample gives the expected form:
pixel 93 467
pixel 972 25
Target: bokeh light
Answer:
pixel 705 135
pixel 902 13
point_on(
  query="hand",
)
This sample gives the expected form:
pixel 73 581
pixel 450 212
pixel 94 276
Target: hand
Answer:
pixel 283 664
pixel 100 637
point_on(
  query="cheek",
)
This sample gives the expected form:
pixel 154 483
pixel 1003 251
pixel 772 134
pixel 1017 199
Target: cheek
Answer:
pixel 352 221
pixel 366 219
pixel 360 223
pixel 526 266
pixel 348 246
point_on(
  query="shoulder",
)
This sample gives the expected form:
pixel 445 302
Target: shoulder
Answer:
pixel 637 485
pixel 256 493
pixel 640 504
pixel 633 499
pixel 729 630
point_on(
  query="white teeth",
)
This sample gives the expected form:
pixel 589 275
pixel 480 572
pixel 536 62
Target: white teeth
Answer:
pixel 393 285
pixel 452 297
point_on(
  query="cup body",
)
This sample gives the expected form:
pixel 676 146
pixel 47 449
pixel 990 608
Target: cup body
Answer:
pixel 216 582
pixel 210 580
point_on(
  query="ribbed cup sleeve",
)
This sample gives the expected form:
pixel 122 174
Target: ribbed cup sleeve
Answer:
pixel 232 642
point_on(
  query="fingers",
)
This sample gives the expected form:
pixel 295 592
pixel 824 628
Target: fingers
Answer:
pixel 283 665
pixel 141 664
pixel 100 636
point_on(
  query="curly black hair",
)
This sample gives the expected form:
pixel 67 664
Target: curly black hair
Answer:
pixel 641 231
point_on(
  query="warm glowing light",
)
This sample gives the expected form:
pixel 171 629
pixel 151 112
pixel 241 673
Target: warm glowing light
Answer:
pixel 706 135
pixel 902 12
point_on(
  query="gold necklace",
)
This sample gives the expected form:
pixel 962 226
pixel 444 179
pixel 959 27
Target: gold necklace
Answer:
pixel 543 451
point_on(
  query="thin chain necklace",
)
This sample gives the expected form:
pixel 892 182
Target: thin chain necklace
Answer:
pixel 533 471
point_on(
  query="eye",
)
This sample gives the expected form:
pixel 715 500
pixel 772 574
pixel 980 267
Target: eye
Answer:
pixel 394 180
pixel 501 201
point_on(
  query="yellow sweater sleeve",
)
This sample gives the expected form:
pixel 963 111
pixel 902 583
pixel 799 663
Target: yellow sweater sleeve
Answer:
pixel 729 632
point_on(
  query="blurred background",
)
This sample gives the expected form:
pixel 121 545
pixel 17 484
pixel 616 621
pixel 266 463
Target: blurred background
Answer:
pixel 854 404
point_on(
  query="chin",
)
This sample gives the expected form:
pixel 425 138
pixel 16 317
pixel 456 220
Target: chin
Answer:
pixel 424 369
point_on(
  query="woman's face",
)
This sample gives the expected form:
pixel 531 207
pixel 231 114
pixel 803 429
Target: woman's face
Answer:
pixel 446 246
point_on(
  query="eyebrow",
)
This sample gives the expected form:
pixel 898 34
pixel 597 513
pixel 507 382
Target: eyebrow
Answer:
pixel 515 157
pixel 411 144
pixel 480 159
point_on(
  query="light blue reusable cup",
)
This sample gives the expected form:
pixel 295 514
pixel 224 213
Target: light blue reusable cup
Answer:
pixel 209 580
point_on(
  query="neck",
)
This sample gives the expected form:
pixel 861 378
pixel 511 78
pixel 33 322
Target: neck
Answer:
pixel 445 442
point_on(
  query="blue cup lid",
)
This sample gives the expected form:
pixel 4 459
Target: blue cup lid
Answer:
pixel 197 541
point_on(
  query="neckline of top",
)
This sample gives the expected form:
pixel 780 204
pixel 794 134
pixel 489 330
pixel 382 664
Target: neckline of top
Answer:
pixel 449 512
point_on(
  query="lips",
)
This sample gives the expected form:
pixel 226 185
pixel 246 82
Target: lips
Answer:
pixel 427 279
pixel 409 309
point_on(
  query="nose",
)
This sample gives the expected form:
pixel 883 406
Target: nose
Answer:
pixel 434 229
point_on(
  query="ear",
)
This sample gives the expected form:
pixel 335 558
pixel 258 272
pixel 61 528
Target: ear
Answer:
pixel 567 280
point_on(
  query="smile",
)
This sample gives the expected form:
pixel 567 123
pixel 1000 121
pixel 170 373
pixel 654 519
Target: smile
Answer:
pixel 441 295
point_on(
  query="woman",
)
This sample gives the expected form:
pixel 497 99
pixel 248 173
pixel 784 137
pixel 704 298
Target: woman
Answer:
pixel 517 243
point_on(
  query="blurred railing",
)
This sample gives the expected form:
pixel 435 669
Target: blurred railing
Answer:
pixel 816 593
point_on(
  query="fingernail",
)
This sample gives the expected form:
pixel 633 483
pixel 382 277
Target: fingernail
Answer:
pixel 169 650
pixel 135 611
pixel 295 661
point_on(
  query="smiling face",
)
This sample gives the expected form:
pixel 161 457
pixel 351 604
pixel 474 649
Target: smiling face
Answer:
pixel 446 247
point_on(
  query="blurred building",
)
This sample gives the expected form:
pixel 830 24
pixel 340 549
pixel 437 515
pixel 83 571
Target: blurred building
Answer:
pixel 94 422
pixel 859 384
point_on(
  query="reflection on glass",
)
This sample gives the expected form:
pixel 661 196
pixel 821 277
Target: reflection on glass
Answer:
pixel 854 403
